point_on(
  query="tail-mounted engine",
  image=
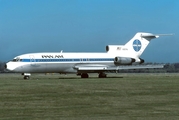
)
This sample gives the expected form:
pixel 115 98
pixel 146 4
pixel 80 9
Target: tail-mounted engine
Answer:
pixel 141 60
pixel 113 48
pixel 123 61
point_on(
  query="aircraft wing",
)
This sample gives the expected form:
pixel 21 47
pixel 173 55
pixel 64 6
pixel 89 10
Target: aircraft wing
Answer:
pixel 140 67
pixel 104 68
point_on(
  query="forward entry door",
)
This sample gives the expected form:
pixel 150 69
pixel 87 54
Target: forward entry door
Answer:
pixel 32 60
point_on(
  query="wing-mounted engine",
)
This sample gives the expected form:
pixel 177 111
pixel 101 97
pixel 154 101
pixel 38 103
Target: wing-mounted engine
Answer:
pixel 123 61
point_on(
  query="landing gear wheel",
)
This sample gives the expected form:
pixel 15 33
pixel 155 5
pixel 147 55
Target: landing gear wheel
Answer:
pixel 84 75
pixel 102 75
pixel 26 77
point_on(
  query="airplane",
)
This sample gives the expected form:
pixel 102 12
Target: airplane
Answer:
pixel 116 57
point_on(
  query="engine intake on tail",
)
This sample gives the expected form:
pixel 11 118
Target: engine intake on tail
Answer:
pixel 123 60
pixel 113 48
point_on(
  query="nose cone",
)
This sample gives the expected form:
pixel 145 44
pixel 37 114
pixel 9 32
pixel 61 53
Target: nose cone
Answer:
pixel 9 66
pixel 5 66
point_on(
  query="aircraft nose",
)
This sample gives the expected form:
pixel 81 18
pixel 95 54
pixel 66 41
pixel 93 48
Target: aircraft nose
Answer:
pixel 11 66
pixel 5 66
pixel 8 66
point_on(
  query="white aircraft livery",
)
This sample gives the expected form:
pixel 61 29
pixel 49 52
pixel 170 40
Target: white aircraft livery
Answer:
pixel 115 58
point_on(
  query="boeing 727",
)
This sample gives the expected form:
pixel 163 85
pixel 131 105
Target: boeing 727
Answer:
pixel 115 58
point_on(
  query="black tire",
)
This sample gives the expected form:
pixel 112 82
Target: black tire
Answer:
pixel 102 75
pixel 26 77
pixel 84 75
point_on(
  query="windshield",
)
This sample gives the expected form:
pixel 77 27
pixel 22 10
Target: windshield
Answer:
pixel 16 59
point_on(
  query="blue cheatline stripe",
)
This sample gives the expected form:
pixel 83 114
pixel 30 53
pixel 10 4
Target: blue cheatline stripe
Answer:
pixel 68 60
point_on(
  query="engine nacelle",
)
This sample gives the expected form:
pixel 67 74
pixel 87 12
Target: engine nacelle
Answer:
pixel 123 60
pixel 113 48
pixel 139 61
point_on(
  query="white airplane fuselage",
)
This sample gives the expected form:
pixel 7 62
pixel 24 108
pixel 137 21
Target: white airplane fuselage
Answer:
pixel 59 62
pixel 83 63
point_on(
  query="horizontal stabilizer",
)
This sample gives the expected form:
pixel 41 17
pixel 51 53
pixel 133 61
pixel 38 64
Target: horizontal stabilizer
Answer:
pixel 153 35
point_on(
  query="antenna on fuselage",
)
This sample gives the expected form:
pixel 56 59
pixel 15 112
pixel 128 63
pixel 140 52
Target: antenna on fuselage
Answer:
pixel 61 51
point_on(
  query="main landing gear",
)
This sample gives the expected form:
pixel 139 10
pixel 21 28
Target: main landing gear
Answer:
pixel 26 76
pixel 102 75
pixel 85 75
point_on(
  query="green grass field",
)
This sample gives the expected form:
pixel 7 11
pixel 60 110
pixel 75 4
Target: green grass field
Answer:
pixel 121 96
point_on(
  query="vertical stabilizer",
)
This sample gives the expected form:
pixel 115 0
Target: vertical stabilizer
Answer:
pixel 135 47
pixel 138 43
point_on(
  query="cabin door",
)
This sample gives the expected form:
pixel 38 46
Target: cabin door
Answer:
pixel 32 60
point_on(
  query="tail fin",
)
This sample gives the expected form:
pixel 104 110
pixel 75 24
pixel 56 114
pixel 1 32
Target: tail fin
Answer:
pixel 139 42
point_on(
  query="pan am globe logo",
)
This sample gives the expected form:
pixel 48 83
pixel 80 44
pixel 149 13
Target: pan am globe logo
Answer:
pixel 137 45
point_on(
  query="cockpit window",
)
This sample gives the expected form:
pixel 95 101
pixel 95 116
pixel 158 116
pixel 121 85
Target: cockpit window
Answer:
pixel 14 60
pixel 17 59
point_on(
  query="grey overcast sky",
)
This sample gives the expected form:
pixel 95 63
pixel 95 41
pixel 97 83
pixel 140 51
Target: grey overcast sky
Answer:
pixel 28 26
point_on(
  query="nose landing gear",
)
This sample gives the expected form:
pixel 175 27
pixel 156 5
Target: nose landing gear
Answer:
pixel 26 76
